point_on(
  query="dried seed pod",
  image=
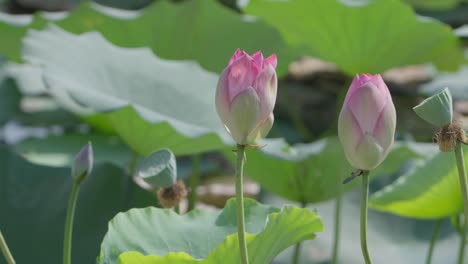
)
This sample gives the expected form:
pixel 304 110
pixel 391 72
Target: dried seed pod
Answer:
pixel 172 196
pixel 448 135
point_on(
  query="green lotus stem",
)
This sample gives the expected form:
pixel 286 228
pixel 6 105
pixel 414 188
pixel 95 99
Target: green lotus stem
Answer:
pixel 464 191
pixel 364 202
pixel 435 235
pixel 6 251
pixel 297 253
pixel 67 241
pixel 194 182
pixel 461 251
pixel 240 204
pixel 336 237
pixel 297 248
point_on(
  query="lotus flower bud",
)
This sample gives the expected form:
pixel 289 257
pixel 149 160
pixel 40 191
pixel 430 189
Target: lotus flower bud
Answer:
pixel 246 95
pixel 83 163
pixel 366 126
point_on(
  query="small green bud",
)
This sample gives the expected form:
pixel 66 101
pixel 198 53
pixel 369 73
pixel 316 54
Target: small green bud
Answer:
pixel 437 109
pixel 83 163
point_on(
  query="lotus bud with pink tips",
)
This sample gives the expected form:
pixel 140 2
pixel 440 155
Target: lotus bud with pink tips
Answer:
pixel 366 126
pixel 246 95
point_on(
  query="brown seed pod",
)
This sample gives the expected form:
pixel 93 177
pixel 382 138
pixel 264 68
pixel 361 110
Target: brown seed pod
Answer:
pixel 448 135
pixel 172 196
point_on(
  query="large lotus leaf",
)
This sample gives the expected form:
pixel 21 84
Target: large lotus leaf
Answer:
pixel 201 30
pixel 362 36
pixel 43 113
pixel 59 151
pixel 430 190
pixel 314 172
pixel 28 78
pixel 33 203
pixel 151 103
pixel 207 235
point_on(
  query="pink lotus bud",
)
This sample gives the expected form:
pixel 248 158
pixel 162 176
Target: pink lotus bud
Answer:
pixel 367 121
pixel 246 95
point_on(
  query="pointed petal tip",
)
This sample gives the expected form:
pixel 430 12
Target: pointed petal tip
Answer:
pixel 258 59
pixel 272 60
pixel 237 54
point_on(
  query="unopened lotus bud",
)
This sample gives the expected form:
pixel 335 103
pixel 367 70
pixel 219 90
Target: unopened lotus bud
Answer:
pixel 83 163
pixel 246 95
pixel 367 122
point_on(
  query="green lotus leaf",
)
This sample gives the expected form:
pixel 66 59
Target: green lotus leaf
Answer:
pixel 58 151
pixel 201 30
pixel 149 102
pixel 429 191
pixel 362 36
pixel 206 235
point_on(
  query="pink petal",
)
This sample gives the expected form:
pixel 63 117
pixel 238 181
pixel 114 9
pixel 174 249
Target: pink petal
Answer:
pixel 223 101
pixel 365 77
pixel 241 75
pixel 243 116
pixel 271 60
pixel 384 130
pixel 378 81
pixel 236 55
pixel 366 104
pixel 358 81
pixel 265 86
pixel 350 134
pixel 258 58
